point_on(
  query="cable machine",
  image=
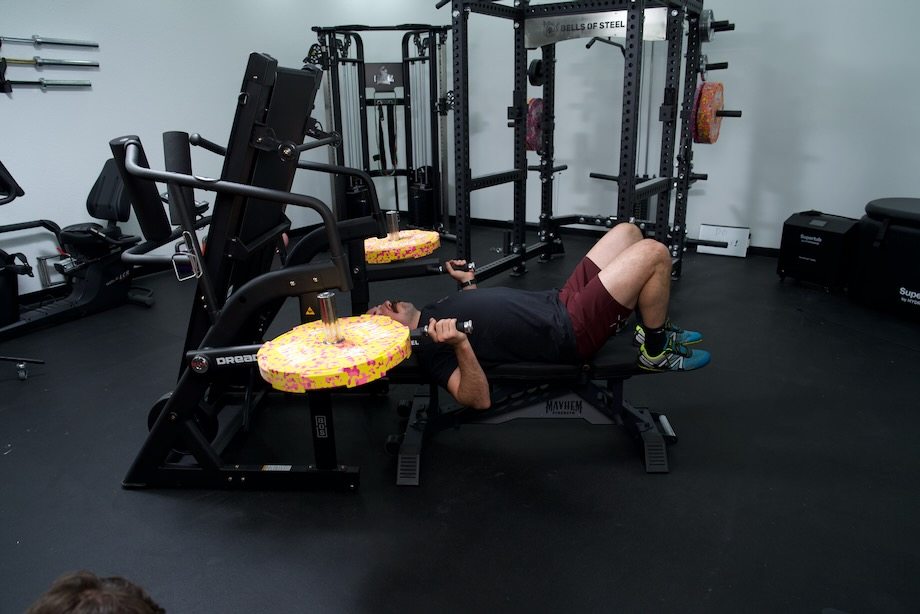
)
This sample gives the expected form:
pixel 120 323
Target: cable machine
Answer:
pixel 542 26
pixel 411 92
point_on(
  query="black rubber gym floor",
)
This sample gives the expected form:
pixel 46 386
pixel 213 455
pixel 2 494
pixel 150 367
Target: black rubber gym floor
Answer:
pixel 793 487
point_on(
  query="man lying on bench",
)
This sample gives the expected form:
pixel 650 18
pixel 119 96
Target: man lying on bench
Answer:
pixel 622 272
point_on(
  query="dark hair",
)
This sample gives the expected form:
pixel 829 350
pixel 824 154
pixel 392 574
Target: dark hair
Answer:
pixel 82 592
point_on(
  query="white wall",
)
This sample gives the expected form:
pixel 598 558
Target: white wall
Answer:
pixel 828 89
pixel 830 96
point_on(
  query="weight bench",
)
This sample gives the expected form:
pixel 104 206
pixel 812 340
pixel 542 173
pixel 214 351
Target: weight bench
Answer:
pixel 592 392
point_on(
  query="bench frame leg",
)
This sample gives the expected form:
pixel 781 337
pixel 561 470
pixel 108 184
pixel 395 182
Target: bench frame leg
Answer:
pixel 596 404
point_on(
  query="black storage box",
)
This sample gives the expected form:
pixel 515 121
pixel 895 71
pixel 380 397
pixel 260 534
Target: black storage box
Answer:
pixel 887 272
pixel 818 248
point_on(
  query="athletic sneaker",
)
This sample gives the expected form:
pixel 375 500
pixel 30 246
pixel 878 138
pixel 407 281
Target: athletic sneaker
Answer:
pixel 675 357
pixel 678 334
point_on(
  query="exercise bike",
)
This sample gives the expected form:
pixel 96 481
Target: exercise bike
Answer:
pixel 95 278
pixel 9 270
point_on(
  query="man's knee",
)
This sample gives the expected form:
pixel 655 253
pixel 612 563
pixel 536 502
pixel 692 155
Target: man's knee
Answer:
pixel 656 252
pixel 625 230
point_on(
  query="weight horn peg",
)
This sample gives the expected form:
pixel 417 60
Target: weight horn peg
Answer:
pixel 392 225
pixel 723 26
pixel 331 330
pixel 708 26
pixel 706 66
pixel 400 244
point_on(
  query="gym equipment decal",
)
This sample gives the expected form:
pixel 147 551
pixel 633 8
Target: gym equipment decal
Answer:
pixel 540 31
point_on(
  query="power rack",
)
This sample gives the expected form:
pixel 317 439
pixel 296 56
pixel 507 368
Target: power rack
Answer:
pixel 542 26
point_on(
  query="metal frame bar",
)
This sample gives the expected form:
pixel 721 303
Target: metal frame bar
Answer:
pixel 695 7
pixel 519 229
pixel 462 178
pixel 668 118
pixel 628 206
pixel 492 9
pixel 409 103
pixel 548 229
pixel 685 156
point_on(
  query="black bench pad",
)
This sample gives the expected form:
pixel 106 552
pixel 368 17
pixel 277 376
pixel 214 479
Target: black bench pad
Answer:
pixel 616 360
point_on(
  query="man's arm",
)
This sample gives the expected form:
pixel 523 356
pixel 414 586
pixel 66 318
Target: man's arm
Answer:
pixel 468 383
pixel 466 280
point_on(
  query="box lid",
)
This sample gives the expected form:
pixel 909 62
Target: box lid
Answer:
pixel 816 220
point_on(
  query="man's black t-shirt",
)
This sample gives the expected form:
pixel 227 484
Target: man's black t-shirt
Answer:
pixel 509 325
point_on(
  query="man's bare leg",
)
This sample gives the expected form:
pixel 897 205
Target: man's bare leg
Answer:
pixel 613 243
pixel 640 277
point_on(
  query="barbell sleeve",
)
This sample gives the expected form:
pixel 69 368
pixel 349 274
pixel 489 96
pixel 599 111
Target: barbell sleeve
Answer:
pixel 46 83
pixel 724 113
pixel 40 40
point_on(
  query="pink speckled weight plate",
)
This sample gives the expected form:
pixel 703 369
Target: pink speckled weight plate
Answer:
pixel 410 244
pixel 300 360
pixel 709 101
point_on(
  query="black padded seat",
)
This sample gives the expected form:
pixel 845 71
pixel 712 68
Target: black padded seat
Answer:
pixel 616 360
pixel 107 201
pixel 83 235
pixel 906 210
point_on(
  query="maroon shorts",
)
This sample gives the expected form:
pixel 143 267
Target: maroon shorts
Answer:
pixel 595 314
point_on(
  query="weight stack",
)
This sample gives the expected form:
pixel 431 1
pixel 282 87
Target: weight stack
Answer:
pixel 421 206
pixel 357 202
pixel 818 248
pixel 887 274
